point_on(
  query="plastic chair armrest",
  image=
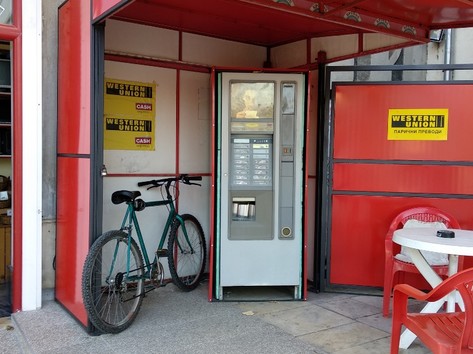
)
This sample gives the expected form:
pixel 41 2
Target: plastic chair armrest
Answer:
pixel 437 293
pixel 407 290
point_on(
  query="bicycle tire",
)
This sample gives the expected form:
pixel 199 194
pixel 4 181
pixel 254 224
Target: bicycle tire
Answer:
pixel 113 304
pixel 185 265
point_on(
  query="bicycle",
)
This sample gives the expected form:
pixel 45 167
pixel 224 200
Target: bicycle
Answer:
pixel 115 278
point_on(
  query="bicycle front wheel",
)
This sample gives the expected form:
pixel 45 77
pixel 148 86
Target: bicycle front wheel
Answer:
pixel 112 282
pixel 186 247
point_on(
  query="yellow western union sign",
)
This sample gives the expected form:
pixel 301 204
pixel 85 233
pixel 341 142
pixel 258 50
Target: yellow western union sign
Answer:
pixel 418 124
pixel 129 115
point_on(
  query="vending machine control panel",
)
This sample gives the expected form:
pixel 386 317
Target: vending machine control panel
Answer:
pixel 252 162
pixel 251 187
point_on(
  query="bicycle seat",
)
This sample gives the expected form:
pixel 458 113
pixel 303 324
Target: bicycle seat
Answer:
pixel 119 197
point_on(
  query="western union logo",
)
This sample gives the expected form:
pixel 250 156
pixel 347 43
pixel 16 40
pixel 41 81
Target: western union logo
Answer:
pixel 418 124
pixel 130 90
pixel 129 125
pixel 414 121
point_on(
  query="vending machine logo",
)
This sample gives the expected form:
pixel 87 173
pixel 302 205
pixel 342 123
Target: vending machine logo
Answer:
pixel 418 124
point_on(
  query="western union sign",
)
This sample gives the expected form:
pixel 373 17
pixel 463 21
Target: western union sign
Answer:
pixel 129 125
pixel 418 124
pixel 128 90
pixel 129 115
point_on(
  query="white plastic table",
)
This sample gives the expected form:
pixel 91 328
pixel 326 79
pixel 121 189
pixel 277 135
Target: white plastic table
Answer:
pixel 425 239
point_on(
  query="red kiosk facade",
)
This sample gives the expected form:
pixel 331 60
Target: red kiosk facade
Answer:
pixel 268 24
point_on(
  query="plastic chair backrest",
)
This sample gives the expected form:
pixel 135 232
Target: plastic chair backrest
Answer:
pixel 466 292
pixel 425 214
pixel 463 282
pixel 395 261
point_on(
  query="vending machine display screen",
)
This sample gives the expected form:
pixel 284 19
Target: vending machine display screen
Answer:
pixel 252 100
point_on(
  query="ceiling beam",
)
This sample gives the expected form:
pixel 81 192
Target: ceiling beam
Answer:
pixel 354 18
pixel 342 7
pixel 467 2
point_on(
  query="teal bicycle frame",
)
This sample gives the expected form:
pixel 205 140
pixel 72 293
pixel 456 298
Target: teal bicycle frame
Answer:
pixel 130 220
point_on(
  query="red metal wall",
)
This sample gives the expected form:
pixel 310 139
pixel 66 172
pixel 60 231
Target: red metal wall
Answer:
pixel 73 149
pixel 375 178
pixel 101 7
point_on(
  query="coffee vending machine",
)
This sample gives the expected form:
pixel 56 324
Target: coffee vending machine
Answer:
pixel 260 181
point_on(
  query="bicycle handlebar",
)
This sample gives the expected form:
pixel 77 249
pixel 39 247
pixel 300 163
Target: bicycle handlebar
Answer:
pixel 186 179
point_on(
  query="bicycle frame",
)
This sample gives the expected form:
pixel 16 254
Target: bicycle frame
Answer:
pixel 130 221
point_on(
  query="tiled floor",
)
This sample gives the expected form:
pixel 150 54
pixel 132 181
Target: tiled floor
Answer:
pixel 174 322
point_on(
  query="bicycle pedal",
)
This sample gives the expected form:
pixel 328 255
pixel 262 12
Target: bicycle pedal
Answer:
pixel 162 252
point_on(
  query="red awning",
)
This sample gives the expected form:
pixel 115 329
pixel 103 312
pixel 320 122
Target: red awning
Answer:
pixel 274 22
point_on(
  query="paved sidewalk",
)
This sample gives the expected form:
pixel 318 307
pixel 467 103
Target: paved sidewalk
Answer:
pixel 171 321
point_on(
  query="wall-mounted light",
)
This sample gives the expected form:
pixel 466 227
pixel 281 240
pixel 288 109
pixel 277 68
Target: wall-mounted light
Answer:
pixel 103 171
pixel 436 35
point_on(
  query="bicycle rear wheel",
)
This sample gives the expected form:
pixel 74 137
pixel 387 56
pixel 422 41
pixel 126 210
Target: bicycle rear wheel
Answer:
pixel 187 255
pixel 111 290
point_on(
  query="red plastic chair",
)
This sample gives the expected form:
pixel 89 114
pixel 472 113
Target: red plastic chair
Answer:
pixel 393 266
pixel 440 332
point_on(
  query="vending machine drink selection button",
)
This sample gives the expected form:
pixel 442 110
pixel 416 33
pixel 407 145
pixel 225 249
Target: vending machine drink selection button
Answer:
pixel 251 161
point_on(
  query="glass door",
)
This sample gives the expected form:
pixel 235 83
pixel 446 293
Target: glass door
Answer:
pixel 5 178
